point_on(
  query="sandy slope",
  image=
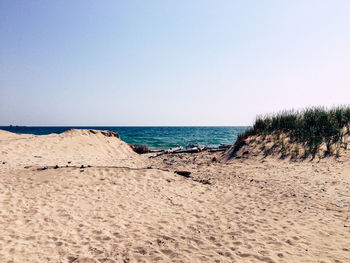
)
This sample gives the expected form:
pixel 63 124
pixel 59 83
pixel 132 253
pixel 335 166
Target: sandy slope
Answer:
pixel 254 210
pixel 79 147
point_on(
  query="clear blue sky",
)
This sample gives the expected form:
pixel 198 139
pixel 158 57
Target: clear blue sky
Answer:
pixel 169 62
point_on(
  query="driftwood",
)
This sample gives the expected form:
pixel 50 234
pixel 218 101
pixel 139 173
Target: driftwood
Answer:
pixel 221 148
pixel 183 173
pixel 217 150
pixel 191 150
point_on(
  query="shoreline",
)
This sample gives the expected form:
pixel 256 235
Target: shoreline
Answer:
pixel 158 138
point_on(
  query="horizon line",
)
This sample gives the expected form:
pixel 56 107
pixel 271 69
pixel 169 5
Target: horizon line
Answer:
pixel 85 126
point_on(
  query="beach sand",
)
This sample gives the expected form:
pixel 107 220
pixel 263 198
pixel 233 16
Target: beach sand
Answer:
pixel 131 208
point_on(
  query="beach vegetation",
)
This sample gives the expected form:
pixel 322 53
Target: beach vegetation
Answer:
pixel 296 151
pixel 309 128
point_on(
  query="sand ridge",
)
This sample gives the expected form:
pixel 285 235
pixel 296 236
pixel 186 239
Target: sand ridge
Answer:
pixel 78 147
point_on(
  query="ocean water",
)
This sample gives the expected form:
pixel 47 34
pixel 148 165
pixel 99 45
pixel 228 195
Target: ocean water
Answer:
pixel 154 137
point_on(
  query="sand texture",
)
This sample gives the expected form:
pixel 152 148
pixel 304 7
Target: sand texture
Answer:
pixel 78 147
pixel 139 210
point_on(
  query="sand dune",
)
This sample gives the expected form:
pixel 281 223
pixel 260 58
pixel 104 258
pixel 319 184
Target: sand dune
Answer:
pixel 253 210
pixel 79 147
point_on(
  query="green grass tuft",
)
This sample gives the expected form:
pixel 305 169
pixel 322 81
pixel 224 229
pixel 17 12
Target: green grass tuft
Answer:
pixel 310 127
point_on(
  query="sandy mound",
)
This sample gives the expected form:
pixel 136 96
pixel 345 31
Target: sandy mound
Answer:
pixel 283 147
pixel 5 135
pixel 87 147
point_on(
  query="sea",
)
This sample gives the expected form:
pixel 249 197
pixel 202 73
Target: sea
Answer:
pixel 155 138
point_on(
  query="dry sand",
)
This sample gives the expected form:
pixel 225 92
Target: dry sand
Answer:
pixel 78 147
pixel 253 210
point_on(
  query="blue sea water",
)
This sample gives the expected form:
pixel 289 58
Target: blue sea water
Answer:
pixel 154 137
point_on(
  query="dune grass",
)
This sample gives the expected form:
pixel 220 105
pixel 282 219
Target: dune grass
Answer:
pixel 310 127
